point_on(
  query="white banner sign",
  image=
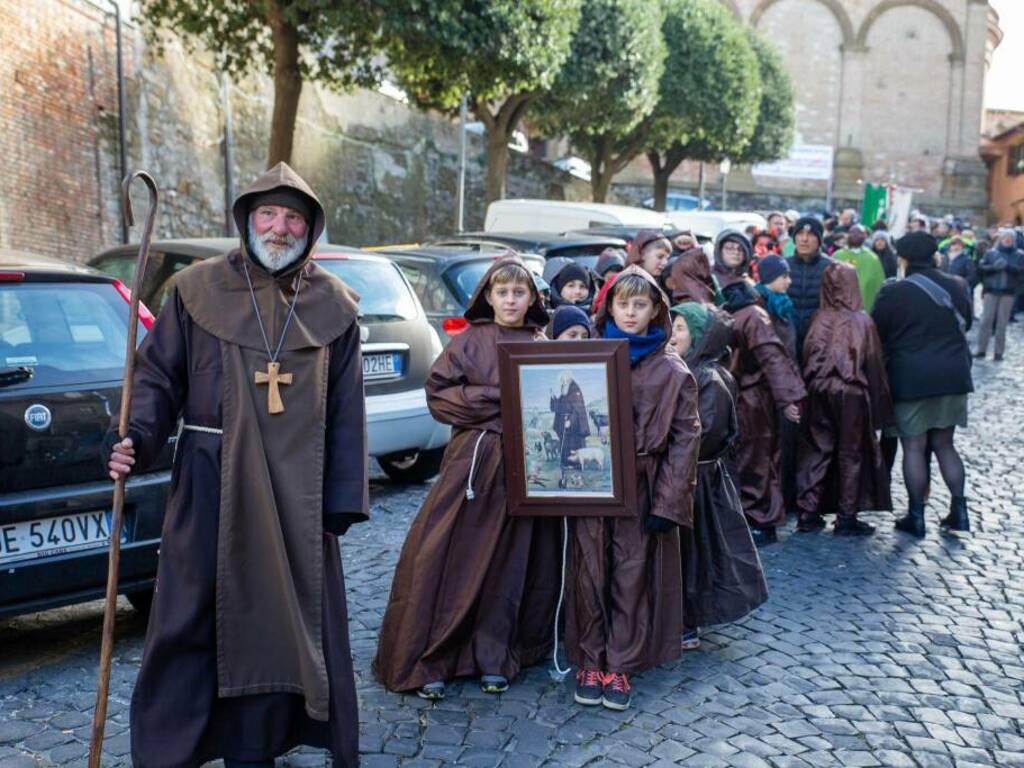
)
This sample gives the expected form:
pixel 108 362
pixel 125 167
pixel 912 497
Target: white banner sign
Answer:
pixel 805 161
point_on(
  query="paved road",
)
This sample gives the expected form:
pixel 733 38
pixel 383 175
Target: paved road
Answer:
pixel 880 652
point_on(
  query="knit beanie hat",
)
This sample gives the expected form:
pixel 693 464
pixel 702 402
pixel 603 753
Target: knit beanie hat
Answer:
pixel 566 316
pixel 771 267
pixel 696 316
pixel 809 224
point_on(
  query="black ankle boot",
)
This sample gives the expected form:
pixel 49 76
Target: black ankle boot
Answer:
pixel 913 522
pixel 957 519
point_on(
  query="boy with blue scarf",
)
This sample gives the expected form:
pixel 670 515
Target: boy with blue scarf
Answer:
pixel 773 286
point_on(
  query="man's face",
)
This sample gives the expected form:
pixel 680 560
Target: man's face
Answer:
pixel 856 237
pixel 806 243
pixel 941 229
pixel 846 217
pixel 684 242
pixel 275 223
pixel 777 222
pixel 732 254
pixel 955 249
pixel 655 257
pixel 1007 241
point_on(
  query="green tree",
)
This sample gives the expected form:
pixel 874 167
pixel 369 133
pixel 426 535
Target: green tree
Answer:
pixel 500 54
pixel 776 116
pixel 294 40
pixel 608 84
pixel 709 95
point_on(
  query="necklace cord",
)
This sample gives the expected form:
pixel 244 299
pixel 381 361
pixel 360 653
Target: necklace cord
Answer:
pixel 291 311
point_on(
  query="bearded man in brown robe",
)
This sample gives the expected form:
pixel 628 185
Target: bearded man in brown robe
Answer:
pixel 247 651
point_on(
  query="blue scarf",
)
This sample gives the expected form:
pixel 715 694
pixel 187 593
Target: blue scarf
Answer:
pixel 778 304
pixel 639 346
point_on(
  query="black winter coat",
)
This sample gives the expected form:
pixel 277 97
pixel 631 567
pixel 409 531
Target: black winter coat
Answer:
pixel 805 291
pixel 1001 270
pixel 966 267
pixel 926 353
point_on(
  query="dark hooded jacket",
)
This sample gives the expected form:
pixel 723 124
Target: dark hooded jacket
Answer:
pixel 569 272
pixel 840 467
pixel 625 603
pixel 475 590
pixel 691 278
pixel 768 379
pixel 722 575
pixel 240 662
pixel 805 291
pixel 1001 268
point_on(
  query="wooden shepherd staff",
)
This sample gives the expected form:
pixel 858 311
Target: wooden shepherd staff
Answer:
pixel 99 719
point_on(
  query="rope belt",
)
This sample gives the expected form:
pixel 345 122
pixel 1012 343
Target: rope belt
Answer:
pixel 470 493
pixel 207 430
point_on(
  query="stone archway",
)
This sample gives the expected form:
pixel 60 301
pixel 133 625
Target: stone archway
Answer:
pixel 955 35
pixel 833 5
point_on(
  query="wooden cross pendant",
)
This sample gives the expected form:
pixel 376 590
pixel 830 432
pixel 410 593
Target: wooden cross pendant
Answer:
pixel 272 378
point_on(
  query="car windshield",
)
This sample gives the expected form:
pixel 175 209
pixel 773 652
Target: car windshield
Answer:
pixel 464 277
pixel 160 271
pixel 65 333
pixel 383 294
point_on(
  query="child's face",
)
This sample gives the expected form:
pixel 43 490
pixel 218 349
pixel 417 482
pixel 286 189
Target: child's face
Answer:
pixel 780 284
pixel 510 302
pixel 681 339
pixel 574 291
pixel 654 258
pixel 574 333
pixel 633 314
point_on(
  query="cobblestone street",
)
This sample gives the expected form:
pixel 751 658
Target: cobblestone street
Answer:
pixel 886 651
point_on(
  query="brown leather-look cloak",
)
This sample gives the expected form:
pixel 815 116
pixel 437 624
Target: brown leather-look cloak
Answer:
pixel 840 466
pixel 475 590
pixel 247 650
pixel 768 380
pixel 624 602
pixel 722 575
pixel 691 278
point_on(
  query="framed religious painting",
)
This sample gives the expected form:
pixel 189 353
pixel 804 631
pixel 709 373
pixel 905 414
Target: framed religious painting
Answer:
pixel 567 418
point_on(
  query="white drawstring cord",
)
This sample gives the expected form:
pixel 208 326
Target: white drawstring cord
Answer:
pixel 470 495
pixel 558 673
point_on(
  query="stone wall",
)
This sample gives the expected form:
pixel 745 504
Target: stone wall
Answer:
pixel 385 172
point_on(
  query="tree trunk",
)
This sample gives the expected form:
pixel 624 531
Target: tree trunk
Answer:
pixel 601 170
pixel 497 163
pixel 663 170
pixel 287 85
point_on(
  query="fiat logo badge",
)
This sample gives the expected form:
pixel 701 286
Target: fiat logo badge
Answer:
pixel 38 417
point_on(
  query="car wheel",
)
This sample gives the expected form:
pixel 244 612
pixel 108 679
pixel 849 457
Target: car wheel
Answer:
pixel 412 467
pixel 141 601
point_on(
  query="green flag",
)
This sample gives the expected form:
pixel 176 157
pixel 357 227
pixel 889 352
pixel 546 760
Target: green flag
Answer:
pixel 875 203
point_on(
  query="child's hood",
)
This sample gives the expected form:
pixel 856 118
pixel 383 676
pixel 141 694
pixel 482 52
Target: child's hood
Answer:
pixel 840 289
pixel 479 311
pixel 716 338
pixel 662 317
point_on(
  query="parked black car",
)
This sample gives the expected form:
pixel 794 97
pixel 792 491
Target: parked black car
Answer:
pixel 399 345
pixel 63 330
pixel 445 276
pixel 581 248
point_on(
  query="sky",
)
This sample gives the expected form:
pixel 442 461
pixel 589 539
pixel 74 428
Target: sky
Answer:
pixel 1003 86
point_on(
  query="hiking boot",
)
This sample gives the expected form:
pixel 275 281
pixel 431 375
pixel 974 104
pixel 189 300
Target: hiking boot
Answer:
pixel 763 536
pixel 957 519
pixel 589 687
pixel 851 526
pixel 691 640
pixel 616 691
pixel 432 691
pixel 493 683
pixel 810 522
pixel 913 521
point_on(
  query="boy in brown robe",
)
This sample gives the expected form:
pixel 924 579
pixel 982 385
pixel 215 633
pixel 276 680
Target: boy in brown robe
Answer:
pixel 768 382
pixel 625 601
pixel 848 401
pixel 475 590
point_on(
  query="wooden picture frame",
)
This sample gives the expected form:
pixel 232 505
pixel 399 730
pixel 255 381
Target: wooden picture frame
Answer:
pixel 567 420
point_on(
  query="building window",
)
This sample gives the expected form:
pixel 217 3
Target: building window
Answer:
pixel 1015 160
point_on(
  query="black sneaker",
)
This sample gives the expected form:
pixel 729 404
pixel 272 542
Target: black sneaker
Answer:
pixel 763 536
pixel 493 683
pixel 616 691
pixel 851 526
pixel 589 687
pixel 432 691
pixel 810 523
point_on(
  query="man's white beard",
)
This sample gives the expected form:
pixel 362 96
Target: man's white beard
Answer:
pixel 273 258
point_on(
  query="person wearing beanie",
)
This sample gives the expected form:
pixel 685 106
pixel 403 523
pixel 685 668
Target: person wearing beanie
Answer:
pixel 870 272
pixel 847 403
pixel 722 576
pixel 769 384
pixel 806 266
pixel 570 323
pixel 1001 271
pixel 573 284
pixel 921 321
pixel 650 250
pixel 610 262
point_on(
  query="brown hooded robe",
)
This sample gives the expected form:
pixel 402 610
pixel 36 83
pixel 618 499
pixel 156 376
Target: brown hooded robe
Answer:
pixel 625 602
pixel 247 651
pixel 840 466
pixel 691 278
pixel 475 590
pixel 768 380
pixel 722 572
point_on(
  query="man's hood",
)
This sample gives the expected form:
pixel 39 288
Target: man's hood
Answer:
pixel 662 316
pixel 280 176
pixel 743 240
pixel 839 287
pixel 479 311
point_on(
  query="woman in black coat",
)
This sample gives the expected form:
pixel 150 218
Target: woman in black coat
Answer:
pixel 921 322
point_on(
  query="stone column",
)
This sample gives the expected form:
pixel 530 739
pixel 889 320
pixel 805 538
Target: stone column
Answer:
pixel 849 160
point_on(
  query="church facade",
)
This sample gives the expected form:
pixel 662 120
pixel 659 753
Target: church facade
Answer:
pixel 896 87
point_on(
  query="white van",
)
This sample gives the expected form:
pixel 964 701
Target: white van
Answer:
pixel 522 215
pixel 710 223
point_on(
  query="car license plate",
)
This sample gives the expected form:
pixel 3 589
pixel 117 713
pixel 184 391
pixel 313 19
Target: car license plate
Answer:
pixel 55 535
pixel 382 366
